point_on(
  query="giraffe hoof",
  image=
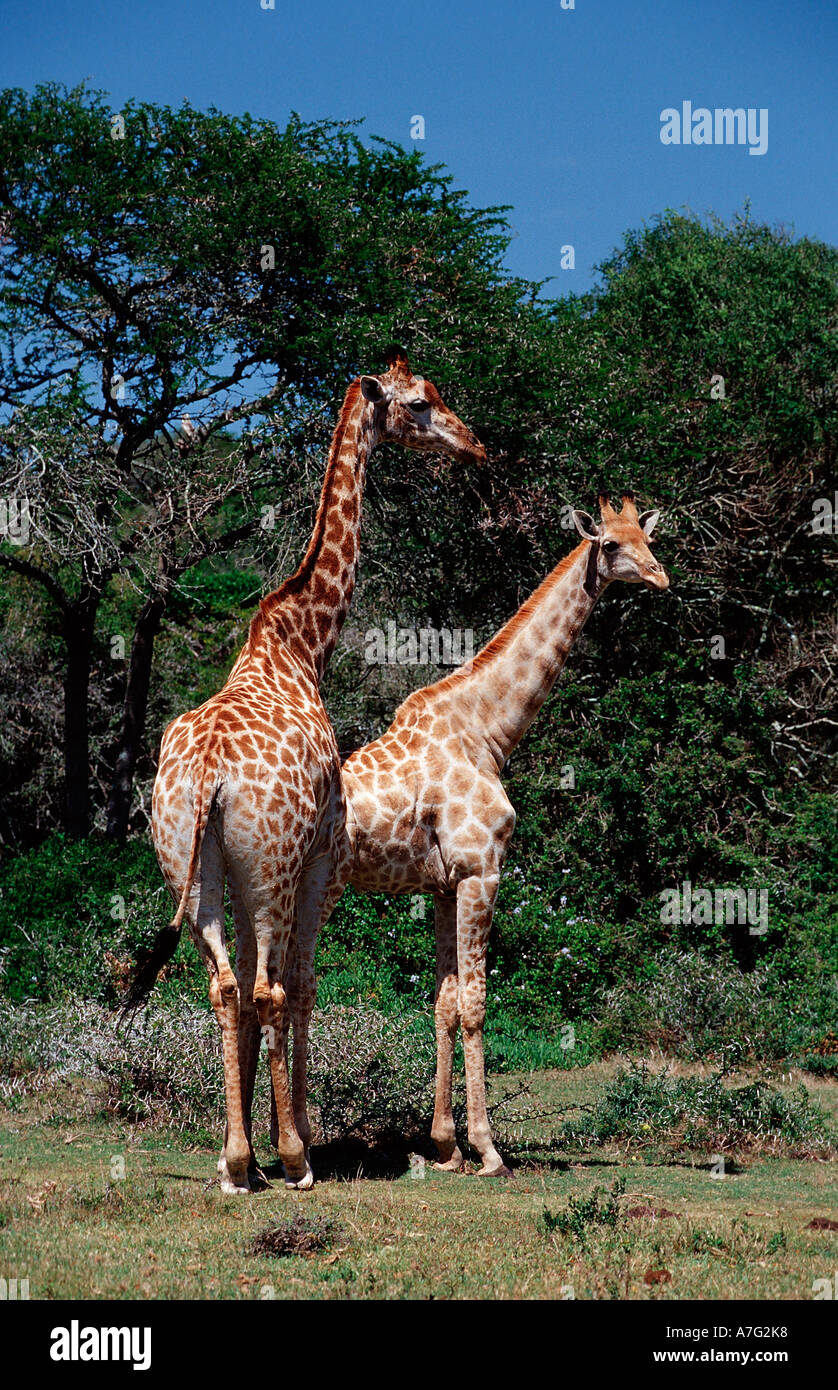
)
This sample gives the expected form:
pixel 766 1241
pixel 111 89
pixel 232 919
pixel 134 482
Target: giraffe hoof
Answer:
pixel 233 1189
pixel 450 1157
pixel 232 1183
pixel 501 1172
pixel 303 1183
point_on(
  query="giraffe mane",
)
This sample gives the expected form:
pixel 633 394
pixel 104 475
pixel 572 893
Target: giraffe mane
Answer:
pixel 297 581
pixel 505 635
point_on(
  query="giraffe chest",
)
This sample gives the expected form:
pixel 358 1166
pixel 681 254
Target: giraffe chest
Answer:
pixel 415 830
pixel 379 870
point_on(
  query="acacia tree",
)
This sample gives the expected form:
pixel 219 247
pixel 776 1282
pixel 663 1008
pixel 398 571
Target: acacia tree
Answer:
pixel 170 278
pixel 83 521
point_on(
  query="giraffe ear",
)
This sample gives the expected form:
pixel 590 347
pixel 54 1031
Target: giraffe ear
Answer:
pixel 586 526
pixel 647 521
pixel 371 389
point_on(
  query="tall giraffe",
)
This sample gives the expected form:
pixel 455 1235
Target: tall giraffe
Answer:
pixel 248 786
pixel 426 811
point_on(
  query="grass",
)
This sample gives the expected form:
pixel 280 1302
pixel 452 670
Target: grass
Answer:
pixel 94 1206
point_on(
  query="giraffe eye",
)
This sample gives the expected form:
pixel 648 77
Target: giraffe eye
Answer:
pixel 610 546
pixel 418 405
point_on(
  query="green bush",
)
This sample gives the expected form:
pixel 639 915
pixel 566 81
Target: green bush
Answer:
pixel 673 782
pixel 61 908
pixel 700 1005
pixel 73 916
pixel 582 1212
pixel 703 1114
pixel 564 983
pixel 168 1068
pixel 370 1076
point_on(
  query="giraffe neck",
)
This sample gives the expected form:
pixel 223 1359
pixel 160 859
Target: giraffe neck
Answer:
pixel 308 611
pixel 514 673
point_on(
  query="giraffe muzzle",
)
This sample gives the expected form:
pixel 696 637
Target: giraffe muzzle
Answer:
pixel 473 452
pixel 656 579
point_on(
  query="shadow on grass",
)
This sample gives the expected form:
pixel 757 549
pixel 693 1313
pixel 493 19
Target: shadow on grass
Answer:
pixel 183 1177
pixel 346 1158
pixel 536 1162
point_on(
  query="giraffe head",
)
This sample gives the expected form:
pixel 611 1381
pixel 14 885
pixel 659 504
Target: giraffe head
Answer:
pixel 411 411
pixel 620 548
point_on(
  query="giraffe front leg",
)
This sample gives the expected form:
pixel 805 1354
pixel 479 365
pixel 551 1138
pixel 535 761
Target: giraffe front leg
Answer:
pixel 475 908
pixel 446 1017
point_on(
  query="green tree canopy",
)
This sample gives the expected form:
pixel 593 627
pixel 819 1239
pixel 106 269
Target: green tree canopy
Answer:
pixel 172 276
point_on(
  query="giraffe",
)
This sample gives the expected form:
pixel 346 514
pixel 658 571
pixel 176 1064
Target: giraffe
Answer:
pixel 426 810
pixel 248 786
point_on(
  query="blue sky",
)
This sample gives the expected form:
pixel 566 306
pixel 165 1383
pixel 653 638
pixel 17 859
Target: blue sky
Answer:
pixel 555 111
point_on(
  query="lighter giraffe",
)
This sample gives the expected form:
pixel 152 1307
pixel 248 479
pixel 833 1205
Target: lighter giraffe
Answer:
pixel 248 787
pixel 426 811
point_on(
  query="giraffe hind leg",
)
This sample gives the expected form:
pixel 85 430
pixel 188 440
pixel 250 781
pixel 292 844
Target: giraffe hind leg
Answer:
pixel 209 935
pixel 273 932
pixel 249 1035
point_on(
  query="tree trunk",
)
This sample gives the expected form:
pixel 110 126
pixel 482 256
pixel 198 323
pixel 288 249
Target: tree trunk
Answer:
pixel 134 714
pixel 78 625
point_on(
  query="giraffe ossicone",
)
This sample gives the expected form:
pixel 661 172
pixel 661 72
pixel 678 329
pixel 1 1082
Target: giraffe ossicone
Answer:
pixel 248 789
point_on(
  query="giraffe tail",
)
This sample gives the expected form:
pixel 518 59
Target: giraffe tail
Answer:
pixel 165 943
